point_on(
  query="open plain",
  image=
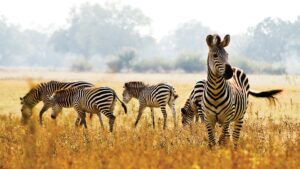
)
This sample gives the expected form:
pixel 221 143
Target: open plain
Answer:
pixel 270 137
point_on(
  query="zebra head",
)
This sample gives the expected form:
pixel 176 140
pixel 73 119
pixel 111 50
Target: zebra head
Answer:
pixel 217 56
pixel 29 101
pixel 132 89
pixel 187 115
pixel 26 109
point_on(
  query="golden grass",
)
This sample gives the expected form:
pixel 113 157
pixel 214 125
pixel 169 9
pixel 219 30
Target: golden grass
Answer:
pixel 270 136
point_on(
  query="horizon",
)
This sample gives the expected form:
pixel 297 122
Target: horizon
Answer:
pixel 162 23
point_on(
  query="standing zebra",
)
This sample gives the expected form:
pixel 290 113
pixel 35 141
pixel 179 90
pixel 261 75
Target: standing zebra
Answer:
pixel 42 92
pixel 225 97
pixel 192 107
pixel 158 95
pixel 92 100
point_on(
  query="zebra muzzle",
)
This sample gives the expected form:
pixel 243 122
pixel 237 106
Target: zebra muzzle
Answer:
pixel 228 72
pixel 53 117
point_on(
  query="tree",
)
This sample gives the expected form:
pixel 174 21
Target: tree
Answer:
pixel 123 61
pixel 188 37
pixel 190 63
pixel 101 30
pixel 268 39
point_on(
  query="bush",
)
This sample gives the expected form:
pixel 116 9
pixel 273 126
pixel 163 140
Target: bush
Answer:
pixel 122 61
pixel 155 65
pixel 190 63
pixel 81 65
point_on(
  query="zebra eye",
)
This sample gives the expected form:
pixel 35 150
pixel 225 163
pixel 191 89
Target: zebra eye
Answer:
pixel 215 55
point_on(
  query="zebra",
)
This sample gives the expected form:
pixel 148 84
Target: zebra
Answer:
pixel 192 107
pixel 225 97
pixel 42 92
pixel 152 96
pixel 92 100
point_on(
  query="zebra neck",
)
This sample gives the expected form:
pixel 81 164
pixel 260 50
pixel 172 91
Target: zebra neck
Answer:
pixel 137 93
pixel 33 97
pixel 215 83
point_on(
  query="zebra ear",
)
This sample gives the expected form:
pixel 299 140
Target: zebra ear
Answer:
pixel 209 40
pixel 125 85
pixel 225 41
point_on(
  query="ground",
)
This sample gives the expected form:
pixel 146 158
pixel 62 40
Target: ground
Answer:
pixel 270 137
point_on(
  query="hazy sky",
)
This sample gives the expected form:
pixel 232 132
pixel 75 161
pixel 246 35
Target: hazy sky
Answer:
pixel 230 16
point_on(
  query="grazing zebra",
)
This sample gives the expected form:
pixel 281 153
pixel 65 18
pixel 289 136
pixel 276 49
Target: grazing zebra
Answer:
pixel 192 107
pixel 225 98
pixel 92 100
pixel 42 92
pixel 158 95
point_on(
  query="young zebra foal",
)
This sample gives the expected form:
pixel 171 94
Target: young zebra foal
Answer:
pixel 158 95
pixel 192 106
pixel 92 100
pixel 42 92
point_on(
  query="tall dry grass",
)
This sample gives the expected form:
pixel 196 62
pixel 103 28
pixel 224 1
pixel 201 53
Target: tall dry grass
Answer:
pixel 270 137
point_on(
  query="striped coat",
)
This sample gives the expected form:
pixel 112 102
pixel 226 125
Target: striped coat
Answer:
pixel 151 96
pixel 226 94
pixel 92 100
pixel 42 92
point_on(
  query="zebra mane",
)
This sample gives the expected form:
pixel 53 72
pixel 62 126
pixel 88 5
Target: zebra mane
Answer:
pixel 35 91
pixel 135 85
pixel 216 39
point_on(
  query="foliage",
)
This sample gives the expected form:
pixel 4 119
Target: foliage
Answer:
pixel 100 30
pixel 154 65
pixel 190 63
pixel 81 65
pixel 123 61
pixel 96 32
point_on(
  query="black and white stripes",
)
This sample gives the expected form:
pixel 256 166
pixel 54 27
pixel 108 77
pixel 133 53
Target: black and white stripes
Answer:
pixel 225 98
pixel 158 95
pixel 42 92
pixel 92 100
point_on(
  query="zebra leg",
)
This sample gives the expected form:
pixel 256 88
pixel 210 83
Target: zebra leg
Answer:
pixel 152 116
pixel 77 121
pixel 164 112
pixel 225 134
pixel 210 126
pixel 199 113
pixel 236 131
pixel 100 119
pixel 43 110
pixel 83 121
pixel 81 114
pixel 111 118
pixel 172 106
pixel 196 117
pixel 141 109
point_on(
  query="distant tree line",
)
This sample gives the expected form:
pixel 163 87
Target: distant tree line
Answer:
pixel 117 39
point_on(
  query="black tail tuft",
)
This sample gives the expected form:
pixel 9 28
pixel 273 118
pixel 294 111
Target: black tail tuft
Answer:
pixel 175 96
pixel 266 94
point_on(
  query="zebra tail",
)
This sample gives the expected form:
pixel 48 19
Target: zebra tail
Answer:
pixel 174 94
pixel 269 94
pixel 122 103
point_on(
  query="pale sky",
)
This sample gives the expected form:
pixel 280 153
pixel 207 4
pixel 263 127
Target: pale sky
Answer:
pixel 223 16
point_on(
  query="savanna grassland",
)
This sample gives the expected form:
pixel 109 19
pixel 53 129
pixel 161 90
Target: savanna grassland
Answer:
pixel 270 137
